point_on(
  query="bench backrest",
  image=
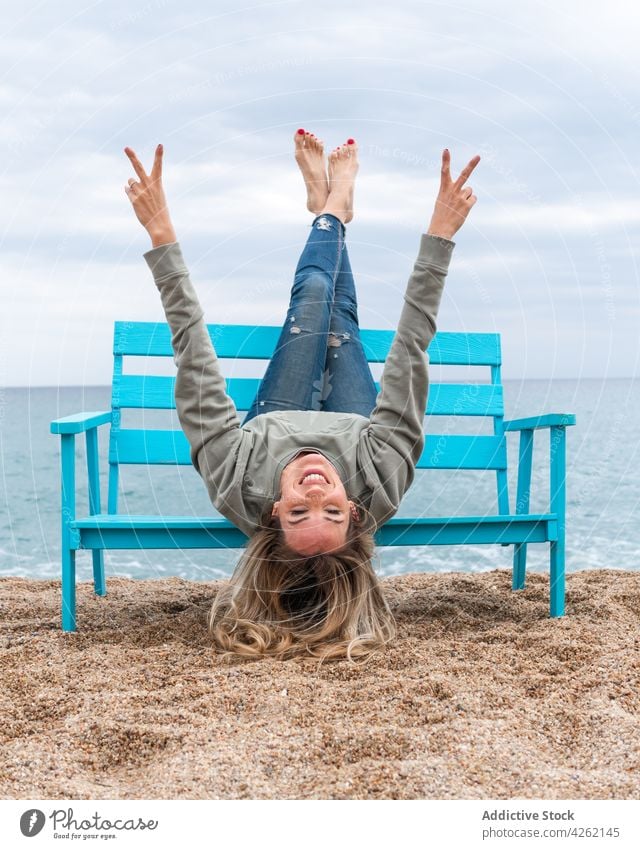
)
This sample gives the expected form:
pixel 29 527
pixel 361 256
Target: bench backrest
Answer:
pixel 248 342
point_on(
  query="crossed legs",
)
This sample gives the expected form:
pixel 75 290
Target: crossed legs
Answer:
pixel 319 362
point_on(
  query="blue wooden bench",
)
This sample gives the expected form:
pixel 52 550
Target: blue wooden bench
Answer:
pixel 112 530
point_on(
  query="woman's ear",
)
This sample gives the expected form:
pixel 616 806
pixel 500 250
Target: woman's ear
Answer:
pixel 276 506
pixel 355 513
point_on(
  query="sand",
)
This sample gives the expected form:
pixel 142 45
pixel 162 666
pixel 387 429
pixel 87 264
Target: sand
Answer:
pixel 482 696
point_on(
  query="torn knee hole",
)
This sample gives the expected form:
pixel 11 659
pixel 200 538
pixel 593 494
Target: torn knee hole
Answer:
pixel 294 328
pixel 335 340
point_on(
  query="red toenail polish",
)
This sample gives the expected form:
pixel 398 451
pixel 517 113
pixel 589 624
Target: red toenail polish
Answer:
pixel 350 141
pixel 300 132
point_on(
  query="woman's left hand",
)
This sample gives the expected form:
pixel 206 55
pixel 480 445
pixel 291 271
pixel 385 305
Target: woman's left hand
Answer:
pixel 148 200
pixel 454 199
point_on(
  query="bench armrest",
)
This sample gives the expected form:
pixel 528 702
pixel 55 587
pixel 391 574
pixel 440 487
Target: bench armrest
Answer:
pixel 536 422
pixel 80 422
pixel 556 422
pixel 67 428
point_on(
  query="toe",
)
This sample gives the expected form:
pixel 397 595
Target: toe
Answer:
pixel 298 137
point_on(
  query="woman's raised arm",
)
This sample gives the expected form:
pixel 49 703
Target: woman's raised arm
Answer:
pixel 208 416
pixel 395 438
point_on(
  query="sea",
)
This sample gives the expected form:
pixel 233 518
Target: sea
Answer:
pixel 603 493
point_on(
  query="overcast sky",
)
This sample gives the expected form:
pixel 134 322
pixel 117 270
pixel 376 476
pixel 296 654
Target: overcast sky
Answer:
pixel 546 93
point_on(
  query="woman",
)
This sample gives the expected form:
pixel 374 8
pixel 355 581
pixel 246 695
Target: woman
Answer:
pixel 321 459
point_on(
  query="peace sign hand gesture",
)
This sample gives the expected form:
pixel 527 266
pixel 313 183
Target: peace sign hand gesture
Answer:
pixel 147 198
pixel 454 199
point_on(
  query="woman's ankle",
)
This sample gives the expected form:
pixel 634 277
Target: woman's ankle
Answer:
pixel 340 214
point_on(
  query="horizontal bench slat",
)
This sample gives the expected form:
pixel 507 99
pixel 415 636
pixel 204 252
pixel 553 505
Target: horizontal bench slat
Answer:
pixel 121 531
pixel 245 341
pixel 155 392
pixel 133 520
pixel 449 451
pixel 456 451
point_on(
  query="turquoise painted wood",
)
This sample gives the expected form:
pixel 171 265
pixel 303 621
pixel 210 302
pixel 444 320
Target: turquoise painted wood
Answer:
pixel 100 531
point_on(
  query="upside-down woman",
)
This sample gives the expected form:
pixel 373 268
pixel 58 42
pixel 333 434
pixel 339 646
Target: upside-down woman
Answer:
pixel 321 459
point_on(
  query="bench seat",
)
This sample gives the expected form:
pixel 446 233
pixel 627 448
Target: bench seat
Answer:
pixel 131 531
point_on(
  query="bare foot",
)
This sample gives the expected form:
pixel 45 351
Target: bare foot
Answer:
pixel 343 167
pixel 310 158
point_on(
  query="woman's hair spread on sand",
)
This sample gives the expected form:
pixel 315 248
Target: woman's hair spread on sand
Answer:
pixel 281 604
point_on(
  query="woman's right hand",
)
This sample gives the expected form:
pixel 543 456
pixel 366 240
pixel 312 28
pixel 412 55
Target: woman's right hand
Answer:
pixel 147 198
pixel 454 199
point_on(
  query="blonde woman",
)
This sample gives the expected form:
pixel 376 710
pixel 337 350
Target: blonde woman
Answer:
pixel 321 459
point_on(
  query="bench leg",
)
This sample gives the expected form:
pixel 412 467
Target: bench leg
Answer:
pixel 519 565
pixel 556 579
pixel 558 501
pixel 98 572
pixel 68 497
pixel 94 506
pixel 68 589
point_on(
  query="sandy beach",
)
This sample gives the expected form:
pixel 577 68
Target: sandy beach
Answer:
pixel 481 696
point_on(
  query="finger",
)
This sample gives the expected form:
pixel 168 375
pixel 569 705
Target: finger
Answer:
pixel 156 171
pixel 137 166
pixel 466 171
pixel 445 173
pixel 133 191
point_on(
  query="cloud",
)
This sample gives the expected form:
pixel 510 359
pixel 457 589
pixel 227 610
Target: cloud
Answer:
pixel 547 98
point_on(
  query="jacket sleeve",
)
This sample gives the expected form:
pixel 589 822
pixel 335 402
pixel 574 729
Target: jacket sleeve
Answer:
pixel 394 440
pixel 207 414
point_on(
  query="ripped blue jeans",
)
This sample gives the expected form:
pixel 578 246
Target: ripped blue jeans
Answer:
pixel 319 362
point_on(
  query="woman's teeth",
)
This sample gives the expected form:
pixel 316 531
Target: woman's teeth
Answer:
pixel 314 477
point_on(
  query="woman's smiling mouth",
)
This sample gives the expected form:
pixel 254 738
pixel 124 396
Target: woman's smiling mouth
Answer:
pixel 313 476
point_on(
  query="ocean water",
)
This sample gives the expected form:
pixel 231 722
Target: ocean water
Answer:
pixel 603 493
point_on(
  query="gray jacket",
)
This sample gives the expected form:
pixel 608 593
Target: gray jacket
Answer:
pixel 241 466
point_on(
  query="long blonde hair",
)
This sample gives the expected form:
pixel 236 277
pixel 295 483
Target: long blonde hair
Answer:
pixel 281 604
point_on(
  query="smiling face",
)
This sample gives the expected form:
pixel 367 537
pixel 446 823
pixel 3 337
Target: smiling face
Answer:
pixel 313 509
